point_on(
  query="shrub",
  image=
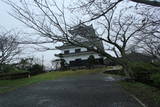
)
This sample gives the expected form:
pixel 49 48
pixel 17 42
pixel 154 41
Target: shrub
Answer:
pixel 36 69
pixel 13 75
pixel 156 79
pixel 142 71
pixel 63 64
pixel 91 61
pixel 146 67
pixel 156 64
pixel 6 68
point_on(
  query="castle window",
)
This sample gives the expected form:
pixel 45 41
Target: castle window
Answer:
pixel 88 49
pixel 77 50
pixel 66 52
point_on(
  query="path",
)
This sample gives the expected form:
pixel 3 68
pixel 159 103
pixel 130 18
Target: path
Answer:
pixel 94 90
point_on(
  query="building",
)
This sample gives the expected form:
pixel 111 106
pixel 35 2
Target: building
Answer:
pixel 76 55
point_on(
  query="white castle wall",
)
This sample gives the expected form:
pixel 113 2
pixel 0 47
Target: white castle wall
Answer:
pixel 72 50
pixel 83 57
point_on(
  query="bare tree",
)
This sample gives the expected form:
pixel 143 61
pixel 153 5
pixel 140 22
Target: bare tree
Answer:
pixel 48 19
pixel 119 31
pixel 148 2
pixel 152 47
pixel 148 44
pixel 8 47
pixel 119 28
pixel 107 5
pixel 151 15
pixel 149 41
pixel 155 3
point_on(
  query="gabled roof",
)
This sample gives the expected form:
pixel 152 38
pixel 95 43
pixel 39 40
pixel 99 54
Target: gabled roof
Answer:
pixel 83 30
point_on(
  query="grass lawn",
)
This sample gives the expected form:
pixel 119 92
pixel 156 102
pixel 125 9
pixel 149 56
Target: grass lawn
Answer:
pixel 147 94
pixel 8 85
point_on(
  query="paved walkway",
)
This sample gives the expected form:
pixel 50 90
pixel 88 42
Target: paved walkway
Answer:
pixel 94 90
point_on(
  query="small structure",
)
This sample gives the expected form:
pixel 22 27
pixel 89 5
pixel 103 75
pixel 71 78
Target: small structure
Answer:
pixel 56 64
pixel 77 55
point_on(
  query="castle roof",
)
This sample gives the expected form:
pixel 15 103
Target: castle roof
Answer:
pixel 85 35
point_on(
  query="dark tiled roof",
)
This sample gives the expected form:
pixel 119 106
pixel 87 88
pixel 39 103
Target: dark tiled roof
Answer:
pixel 86 32
pixel 83 30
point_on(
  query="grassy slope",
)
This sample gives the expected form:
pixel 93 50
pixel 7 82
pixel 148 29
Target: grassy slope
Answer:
pixel 147 94
pixel 8 85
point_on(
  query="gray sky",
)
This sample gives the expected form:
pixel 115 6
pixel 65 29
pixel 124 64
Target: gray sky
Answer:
pixel 5 19
pixel 8 22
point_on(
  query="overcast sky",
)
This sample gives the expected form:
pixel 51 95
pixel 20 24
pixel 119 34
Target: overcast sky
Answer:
pixel 8 22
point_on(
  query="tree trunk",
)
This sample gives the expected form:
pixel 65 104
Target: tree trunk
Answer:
pixel 127 70
pixel 1 67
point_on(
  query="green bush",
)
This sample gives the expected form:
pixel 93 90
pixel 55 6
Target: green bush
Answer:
pixel 144 67
pixel 156 79
pixel 7 68
pixel 63 64
pixel 36 69
pixel 91 61
pixel 10 69
pixel 142 71
pixel 156 64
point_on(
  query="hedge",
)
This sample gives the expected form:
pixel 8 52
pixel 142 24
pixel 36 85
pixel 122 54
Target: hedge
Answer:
pixel 142 71
pixel 13 75
pixel 156 79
